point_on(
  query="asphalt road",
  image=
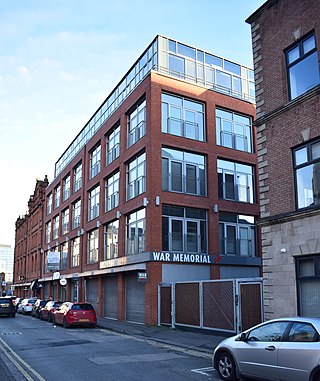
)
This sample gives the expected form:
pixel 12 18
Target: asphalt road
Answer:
pixel 35 350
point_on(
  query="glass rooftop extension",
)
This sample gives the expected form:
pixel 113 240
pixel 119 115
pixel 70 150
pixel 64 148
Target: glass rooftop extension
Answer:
pixel 175 59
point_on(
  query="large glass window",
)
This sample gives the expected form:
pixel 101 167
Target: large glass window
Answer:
pixel 93 203
pixel 183 172
pixel 66 187
pixel 95 158
pixel 56 227
pixel 75 252
pixel 111 237
pixel 112 191
pixel 183 117
pixel 234 130
pixel 235 181
pixel 308 276
pixel 48 232
pixel 237 235
pixel 136 123
pixel 64 256
pixel 65 221
pixel 93 246
pixel 307 174
pixel 136 176
pixel 57 191
pixel 184 229
pixel 49 204
pixel 303 66
pixel 113 144
pixel 76 214
pixel 77 177
pixel 135 236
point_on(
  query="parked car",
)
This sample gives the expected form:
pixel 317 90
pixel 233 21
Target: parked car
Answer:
pixel 279 349
pixel 47 311
pixel 72 314
pixel 7 307
pixel 37 307
pixel 17 302
pixel 25 307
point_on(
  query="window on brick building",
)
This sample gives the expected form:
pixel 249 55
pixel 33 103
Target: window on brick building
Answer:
pixel 49 204
pixel 93 246
pixel 136 176
pixel 235 181
pixel 65 221
pixel 93 203
pixel 48 232
pixel 111 246
pixel 57 191
pixel 183 172
pixel 136 231
pixel 136 123
pixel 76 214
pixel 56 221
pixel 64 256
pixel 77 177
pixel 234 130
pixel 183 117
pixel 75 252
pixel 307 175
pixel 237 235
pixel 113 144
pixel 95 159
pixel 302 66
pixel 112 191
pixel 184 230
pixel 66 187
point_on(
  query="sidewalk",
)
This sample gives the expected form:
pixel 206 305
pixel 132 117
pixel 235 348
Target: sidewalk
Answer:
pixel 192 339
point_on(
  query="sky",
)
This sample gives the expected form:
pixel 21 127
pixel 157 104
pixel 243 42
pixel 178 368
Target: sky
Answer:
pixel 59 60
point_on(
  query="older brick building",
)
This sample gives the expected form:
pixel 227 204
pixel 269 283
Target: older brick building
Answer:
pixel 285 36
pixel 159 186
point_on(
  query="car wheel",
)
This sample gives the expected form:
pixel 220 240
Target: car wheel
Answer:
pixel 65 324
pixel 226 367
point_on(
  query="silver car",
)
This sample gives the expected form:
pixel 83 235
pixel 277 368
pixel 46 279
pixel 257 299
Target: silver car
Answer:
pixel 286 349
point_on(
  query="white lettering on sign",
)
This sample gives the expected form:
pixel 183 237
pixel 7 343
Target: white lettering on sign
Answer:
pixel 180 257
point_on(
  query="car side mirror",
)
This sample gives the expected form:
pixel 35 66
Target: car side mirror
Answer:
pixel 243 336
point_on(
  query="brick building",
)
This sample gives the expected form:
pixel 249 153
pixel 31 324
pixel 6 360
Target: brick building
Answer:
pixel 286 36
pixel 159 186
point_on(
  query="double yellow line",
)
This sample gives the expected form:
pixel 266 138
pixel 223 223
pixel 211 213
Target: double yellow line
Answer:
pixel 25 369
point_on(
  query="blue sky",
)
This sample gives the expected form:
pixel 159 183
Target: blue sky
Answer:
pixel 59 59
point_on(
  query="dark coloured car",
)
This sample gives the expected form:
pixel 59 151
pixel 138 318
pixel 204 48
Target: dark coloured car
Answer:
pixel 37 307
pixel 47 311
pixel 7 307
pixel 75 314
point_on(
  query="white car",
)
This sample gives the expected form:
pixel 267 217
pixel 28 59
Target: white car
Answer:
pixel 279 349
pixel 25 307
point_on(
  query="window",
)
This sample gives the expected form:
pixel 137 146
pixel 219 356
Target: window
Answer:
pixel 136 123
pixel 237 235
pixel 57 196
pixel 136 176
pixel 49 204
pixel 302 333
pixel 75 252
pixel 93 204
pixel 48 232
pixel 308 280
pixel 56 227
pixel 112 192
pixel 235 181
pixel 184 229
pixel 93 246
pixel 234 130
pixel 111 235
pixel 136 228
pixel 268 332
pixel 95 157
pixel 183 172
pixel 113 145
pixel 66 187
pixel 64 256
pixel 302 66
pixel 76 214
pixel 183 117
pixel 307 175
pixel 65 221
pixel 77 177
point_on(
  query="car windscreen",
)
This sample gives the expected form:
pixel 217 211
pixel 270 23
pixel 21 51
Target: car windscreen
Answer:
pixel 82 307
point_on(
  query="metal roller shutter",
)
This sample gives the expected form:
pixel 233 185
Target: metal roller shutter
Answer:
pixel 111 297
pixel 135 299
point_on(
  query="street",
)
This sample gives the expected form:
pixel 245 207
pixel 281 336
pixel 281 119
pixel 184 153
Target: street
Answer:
pixel 38 350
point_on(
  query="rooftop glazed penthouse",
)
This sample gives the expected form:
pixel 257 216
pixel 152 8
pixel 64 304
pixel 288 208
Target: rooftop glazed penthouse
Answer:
pixel 173 58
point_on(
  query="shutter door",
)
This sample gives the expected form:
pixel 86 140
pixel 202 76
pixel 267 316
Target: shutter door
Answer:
pixel 111 297
pixel 92 292
pixel 135 299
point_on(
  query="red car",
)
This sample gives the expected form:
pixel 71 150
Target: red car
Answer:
pixel 78 313
pixel 47 312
